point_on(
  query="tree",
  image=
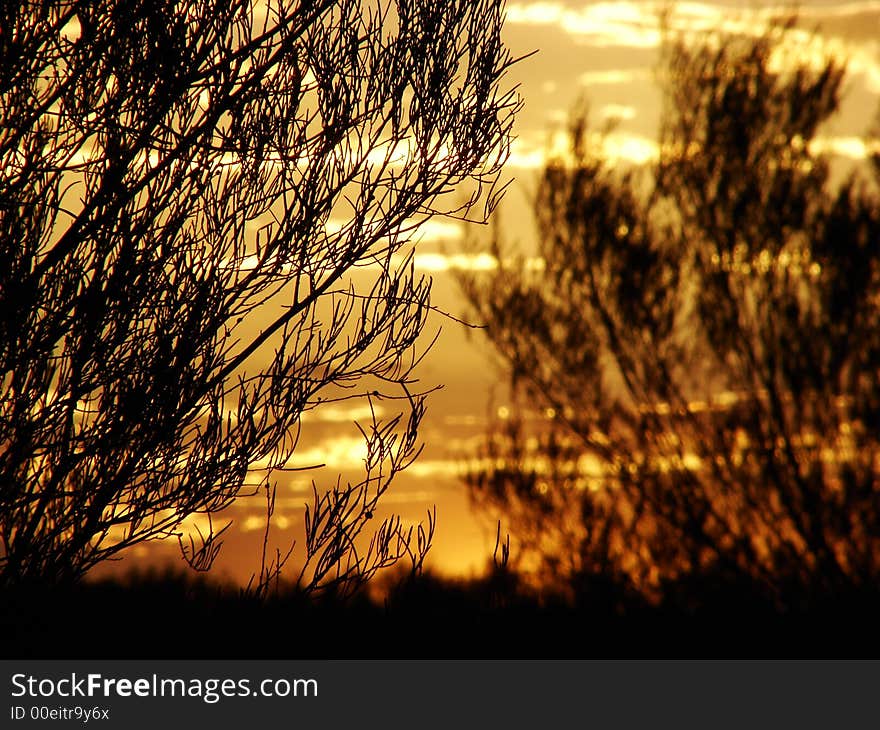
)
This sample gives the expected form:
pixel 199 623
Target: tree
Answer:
pixel 186 191
pixel 696 363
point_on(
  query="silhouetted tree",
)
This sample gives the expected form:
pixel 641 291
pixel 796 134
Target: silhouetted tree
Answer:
pixel 186 189
pixel 697 361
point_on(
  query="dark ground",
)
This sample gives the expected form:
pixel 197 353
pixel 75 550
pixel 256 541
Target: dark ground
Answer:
pixel 172 615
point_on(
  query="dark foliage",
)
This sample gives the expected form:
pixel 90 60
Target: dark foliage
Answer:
pixel 697 365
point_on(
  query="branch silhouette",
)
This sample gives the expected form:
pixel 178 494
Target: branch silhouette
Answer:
pixel 187 190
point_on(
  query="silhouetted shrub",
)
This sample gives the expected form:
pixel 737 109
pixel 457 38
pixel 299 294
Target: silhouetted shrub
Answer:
pixel 186 189
pixel 696 367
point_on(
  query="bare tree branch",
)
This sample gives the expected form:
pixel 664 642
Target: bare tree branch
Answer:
pixel 187 193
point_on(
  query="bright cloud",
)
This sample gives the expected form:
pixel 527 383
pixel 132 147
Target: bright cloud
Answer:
pixel 622 112
pixel 615 23
pixel 620 146
pixel 854 148
pixel 638 25
pixel 433 229
pixel 436 262
pixel 615 76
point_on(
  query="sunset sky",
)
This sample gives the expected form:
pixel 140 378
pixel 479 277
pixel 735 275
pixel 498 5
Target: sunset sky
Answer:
pixel 604 53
